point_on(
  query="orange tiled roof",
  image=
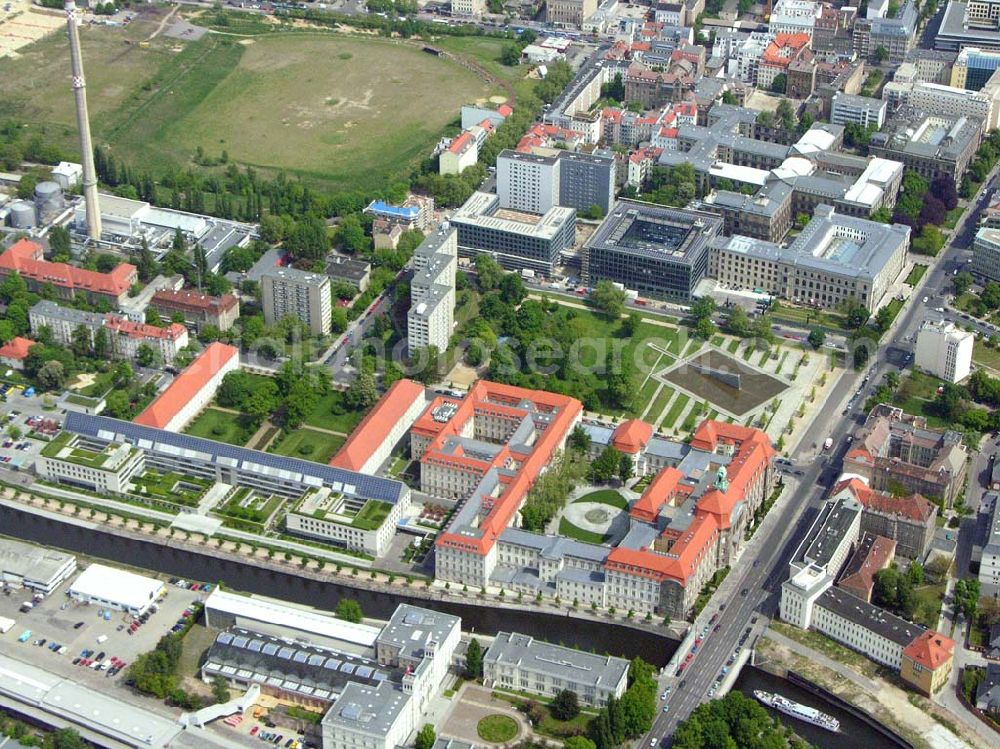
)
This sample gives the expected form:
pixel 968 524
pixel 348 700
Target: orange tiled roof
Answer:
pixel 783 48
pixel 16 348
pixel 631 436
pixel 505 110
pixel 463 141
pixel 187 385
pixel 26 257
pixel 493 396
pixel 914 507
pixel 659 492
pixel 368 435
pixel 130 329
pixel 189 299
pixel 930 649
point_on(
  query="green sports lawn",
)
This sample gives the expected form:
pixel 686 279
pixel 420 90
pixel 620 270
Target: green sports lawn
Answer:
pixel 344 111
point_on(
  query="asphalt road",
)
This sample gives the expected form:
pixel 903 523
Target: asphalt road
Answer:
pixel 763 566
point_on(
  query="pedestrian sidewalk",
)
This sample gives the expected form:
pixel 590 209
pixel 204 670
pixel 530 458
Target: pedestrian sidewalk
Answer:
pixel 814 655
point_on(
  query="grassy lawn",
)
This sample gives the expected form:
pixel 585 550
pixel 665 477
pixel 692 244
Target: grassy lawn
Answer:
pixel 951 219
pixel 928 604
pixel 497 729
pixel 660 403
pixel 569 530
pixel 549 725
pixel 675 411
pixel 308 444
pixel 733 345
pixel 372 515
pixel 764 356
pixel 718 340
pixel 828 647
pixel 807 317
pixel 333 413
pixel 220 426
pixel 916 273
pixel 986 357
pixel 605 497
pixel 485 51
pixel 257 510
pixel 646 394
pixel 373 109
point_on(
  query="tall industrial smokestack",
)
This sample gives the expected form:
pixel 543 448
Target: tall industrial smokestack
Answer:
pixel 83 124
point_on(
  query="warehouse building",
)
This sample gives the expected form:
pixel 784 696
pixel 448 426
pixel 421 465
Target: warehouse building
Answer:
pixel 34 567
pixel 116 589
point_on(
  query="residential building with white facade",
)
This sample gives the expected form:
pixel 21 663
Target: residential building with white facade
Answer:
pixel 520 663
pixel 432 291
pixel 468 8
pixel 125 339
pixel 290 292
pixel 944 350
pixel 860 110
pixel 536 182
pixel 794 17
pixel 947 101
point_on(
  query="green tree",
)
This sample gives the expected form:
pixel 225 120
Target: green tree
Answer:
pixel 961 282
pixel 349 610
pixel 145 355
pixel 704 328
pixel 80 344
pixel 102 346
pixel 817 337
pixel 362 393
pixel 779 83
pixel 606 466
pixel 608 298
pixel 579 439
pixel 220 690
pixel 59 243
pixel 626 468
pixel 52 375
pixel 510 55
pixel 474 660
pixel 488 272
pixel 565 705
pixel 738 322
pixel 425 737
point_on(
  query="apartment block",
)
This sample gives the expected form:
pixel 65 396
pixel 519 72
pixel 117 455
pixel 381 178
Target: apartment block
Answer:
pixel 199 310
pixel 894 451
pixel 989 564
pixel 944 350
pixel 125 339
pixel 432 291
pixel 569 12
pixel 306 296
pixel 536 183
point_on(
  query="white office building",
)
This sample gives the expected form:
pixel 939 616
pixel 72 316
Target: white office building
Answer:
pixel 944 350
pixel 290 292
pixel 861 110
pixel 432 291
pixel 794 17
pixel 116 589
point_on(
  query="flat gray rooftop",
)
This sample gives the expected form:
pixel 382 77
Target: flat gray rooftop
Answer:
pixel 572 666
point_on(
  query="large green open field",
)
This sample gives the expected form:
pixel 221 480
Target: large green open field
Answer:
pixel 344 111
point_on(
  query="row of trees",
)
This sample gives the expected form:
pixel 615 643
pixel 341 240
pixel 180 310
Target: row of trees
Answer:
pixel 894 589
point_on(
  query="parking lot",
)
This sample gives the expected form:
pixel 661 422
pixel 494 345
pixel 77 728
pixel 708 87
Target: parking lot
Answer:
pixel 77 627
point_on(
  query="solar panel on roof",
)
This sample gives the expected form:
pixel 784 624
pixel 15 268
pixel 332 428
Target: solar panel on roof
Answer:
pixel 364 671
pixel 255 645
pixel 301 657
pixel 269 649
pixel 333 664
pixel 347 668
pixel 372 487
pixel 379 676
pixel 316 660
pixel 240 642
pixel 286 653
pixel 224 638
